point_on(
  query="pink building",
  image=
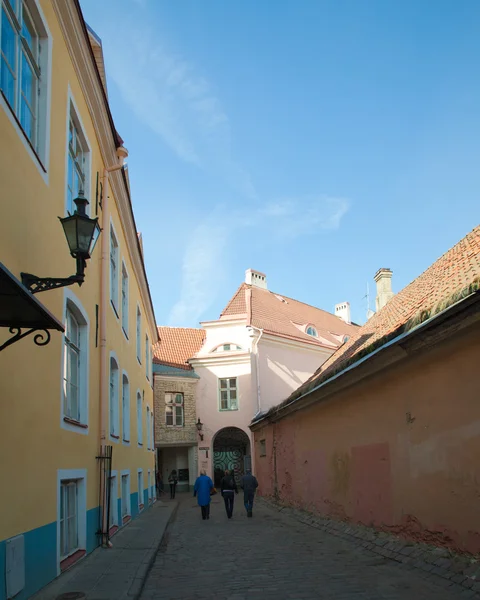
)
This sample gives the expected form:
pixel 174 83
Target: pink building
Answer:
pixel 263 346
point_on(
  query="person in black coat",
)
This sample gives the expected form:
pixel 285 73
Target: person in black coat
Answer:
pixel 228 488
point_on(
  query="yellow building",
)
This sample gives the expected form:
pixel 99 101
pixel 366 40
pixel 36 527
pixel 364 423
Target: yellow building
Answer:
pixel 66 403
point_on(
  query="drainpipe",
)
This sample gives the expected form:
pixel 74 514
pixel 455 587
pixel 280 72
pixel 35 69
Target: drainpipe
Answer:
pixel 122 155
pixel 257 365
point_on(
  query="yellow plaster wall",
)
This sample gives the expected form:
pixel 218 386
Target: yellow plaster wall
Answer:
pixel 33 446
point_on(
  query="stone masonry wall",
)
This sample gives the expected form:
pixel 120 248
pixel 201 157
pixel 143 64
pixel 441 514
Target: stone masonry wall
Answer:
pixel 175 435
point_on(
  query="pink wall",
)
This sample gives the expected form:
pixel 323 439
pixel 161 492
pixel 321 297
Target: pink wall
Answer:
pixel 398 451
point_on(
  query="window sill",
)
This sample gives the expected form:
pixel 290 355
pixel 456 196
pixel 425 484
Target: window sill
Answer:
pixel 113 530
pixel 126 441
pixel 115 437
pixel 125 334
pixel 140 445
pixel 27 139
pixel 139 361
pixel 141 507
pixel 114 308
pixel 126 519
pixel 76 423
pixel 66 563
pixel 227 409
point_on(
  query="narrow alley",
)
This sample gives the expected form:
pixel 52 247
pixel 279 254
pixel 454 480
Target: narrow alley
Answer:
pixel 275 556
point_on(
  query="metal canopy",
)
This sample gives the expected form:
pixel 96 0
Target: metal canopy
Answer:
pixel 20 310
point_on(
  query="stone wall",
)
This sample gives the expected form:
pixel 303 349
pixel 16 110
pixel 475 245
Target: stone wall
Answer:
pixel 175 435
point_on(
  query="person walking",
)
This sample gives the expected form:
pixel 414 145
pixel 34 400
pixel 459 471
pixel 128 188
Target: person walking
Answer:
pixel 203 487
pixel 173 480
pixel 249 486
pixel 229 488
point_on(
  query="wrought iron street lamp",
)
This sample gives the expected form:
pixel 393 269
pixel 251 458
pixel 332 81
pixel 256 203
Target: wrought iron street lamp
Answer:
pixel 82 234
pixel 199 426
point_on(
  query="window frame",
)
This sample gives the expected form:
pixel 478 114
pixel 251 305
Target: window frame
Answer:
pixel 125 498
pixel 138 324
pixel 126 410
pixel 147 357
pixel 228 389
pixel 139 419
pixel 125 304
pixel 79 476
pixel 114 273
pixel 147 421
pixel 174 406
pixel 221 348
pixel 314 333
pixel 263 448
pixel 39 149
pixel 73 116
pixel 114 399
pixel 113 500
pixel 72 303
pixel 140 486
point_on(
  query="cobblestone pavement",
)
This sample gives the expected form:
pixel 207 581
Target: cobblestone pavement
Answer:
pixel 275 556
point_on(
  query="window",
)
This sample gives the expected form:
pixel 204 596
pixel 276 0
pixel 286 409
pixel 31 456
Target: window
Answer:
pixel 312 331
pixel 113 516
pixel 139 335
pixel 227 348
pixel 124 300
pixel 77 161
pixel 125 409
pixel 149 486
pixel 126 511
pixel 139 419
pixel 147 357
pixel 174 410
pixel 152 423
pixel 23 68
pixel 263 448
pixel 149 431
pixel 140 489
pixel 71 372
pixel 114 424
pixel 75 367
pixel 228 394
pixel 113 270
pixel 68 518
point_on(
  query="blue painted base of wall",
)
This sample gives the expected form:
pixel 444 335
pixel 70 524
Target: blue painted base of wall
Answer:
pixel 41 551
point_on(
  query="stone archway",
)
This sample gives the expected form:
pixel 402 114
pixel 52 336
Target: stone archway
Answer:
pixel 231 450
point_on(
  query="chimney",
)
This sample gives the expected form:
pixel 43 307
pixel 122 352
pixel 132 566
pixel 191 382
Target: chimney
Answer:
pixel 383 279
pixel 343 311
pixel 256 278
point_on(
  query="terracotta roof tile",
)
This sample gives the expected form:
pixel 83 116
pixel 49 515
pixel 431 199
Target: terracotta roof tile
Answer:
pixel 286 317
pixel 177 345
pixel 455 270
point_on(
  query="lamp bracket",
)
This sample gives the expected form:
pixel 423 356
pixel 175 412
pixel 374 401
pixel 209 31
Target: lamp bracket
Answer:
pixel 41 339
pixel 42 284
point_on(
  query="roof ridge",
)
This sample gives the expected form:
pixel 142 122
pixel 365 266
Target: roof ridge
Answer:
pixel 299 302
pixel 178 327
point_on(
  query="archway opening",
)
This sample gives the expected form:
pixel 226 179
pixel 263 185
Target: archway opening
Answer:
pixel 231 450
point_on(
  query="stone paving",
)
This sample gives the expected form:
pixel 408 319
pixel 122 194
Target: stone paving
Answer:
pixel 274 555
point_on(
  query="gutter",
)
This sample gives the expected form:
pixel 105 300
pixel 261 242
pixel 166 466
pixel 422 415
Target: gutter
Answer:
pixel 419 328
pixel 257 365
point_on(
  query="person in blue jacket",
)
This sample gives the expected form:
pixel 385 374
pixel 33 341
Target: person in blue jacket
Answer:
pixel 202 489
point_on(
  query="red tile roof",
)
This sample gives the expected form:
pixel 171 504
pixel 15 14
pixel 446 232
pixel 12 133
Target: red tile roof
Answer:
pixel 450 274
pixel 285 317
pixel 177 345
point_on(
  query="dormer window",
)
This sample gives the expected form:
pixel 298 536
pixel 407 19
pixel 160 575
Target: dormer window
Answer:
pixel 311 331
pixel 227 348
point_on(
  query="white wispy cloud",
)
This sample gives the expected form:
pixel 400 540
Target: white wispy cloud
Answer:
pixel 204 267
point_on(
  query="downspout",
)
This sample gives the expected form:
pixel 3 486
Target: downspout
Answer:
pixel 257 366
pixel 122 154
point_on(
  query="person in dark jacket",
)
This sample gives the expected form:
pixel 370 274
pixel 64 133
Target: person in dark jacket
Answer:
pixel 202 490
pixel 228 488
pixel 249 485
pixel 173 480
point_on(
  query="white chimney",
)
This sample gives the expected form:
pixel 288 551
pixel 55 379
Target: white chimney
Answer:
pixel 343 311
pixel 383 279
pixel 256 278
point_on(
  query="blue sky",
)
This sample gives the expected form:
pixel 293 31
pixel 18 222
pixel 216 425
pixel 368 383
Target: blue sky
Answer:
pixel 315 141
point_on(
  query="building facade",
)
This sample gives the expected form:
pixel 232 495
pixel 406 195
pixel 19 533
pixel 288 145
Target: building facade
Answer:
pixel 175 384
pixel 386 434
pixel 262 345
pixel 87 392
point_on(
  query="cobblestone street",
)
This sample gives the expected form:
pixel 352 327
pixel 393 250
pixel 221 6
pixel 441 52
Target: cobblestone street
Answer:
pixel 275 556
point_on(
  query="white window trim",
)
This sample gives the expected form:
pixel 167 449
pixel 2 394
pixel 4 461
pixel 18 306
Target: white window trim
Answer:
pixel 174 404
pixel 138 334
pixel 147 356
pixel 147 423
pixel 142 485
pixel 114 499
pixel 149 486
pixel 117 404
pixel 129 504
pixel 70 298
pixel 81 476
pixel 88 191
pixel 227 410
pixel 152 421
pixel 140 436
pixel 41 162
pixel 125 333
pixel 114 301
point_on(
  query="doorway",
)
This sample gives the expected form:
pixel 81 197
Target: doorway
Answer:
pixel 231 450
